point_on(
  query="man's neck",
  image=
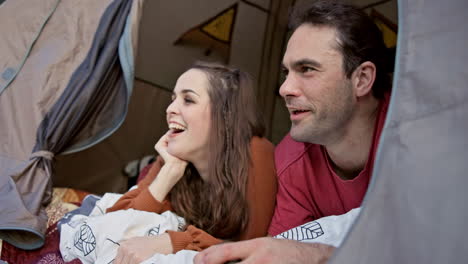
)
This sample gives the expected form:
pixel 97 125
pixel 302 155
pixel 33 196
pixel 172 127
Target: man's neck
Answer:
pixel 349 154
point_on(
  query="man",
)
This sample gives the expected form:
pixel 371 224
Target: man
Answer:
pixel 337 92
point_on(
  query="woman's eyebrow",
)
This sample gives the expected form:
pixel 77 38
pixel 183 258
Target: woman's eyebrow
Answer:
pixel 185 91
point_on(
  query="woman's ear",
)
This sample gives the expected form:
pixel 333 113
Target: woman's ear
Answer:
pixel 363 78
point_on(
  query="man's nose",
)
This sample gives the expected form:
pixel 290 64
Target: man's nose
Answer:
pixel 289 88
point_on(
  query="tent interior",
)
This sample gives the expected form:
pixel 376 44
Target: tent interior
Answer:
pixel 258 41
pixel 415 208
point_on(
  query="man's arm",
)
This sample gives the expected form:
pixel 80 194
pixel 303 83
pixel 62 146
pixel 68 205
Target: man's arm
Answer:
pixel 266 250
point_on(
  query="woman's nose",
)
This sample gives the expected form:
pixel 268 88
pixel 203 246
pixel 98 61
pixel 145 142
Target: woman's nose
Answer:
pixel 172 108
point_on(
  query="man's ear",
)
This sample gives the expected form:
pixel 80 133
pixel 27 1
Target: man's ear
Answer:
pixel 363 78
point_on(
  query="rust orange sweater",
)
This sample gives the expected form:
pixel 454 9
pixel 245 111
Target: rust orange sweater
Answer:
pixel 261 192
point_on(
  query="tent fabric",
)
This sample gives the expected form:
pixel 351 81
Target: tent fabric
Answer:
pixel 416 207
pixel 96 95
pixel 94 100
pixel 60 48
pixel 126 50
pixel 93 168
pixel 32 27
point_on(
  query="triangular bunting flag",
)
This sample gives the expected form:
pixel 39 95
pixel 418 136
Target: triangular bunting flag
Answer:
pixel 214 34
pixel 389 29
pixel 221 26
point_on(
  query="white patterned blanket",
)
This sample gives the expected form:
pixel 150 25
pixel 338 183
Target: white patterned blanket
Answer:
pixel 330 230
pixel 93 236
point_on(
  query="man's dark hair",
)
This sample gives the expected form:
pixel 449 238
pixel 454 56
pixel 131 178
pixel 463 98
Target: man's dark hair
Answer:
pixel 359 39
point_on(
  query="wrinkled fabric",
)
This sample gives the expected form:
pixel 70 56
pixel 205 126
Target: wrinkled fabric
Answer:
pixel 416 207
pixel 70 83
pixel 181 257
pixel 330 230
pixel 95 238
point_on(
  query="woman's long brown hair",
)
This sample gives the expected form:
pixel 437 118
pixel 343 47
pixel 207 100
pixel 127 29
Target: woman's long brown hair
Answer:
pixel 219 205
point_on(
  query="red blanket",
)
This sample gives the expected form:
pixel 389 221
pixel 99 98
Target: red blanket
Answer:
pixel 63 201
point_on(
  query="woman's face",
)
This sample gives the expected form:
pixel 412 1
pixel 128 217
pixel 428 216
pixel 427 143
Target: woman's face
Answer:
pixel 189 117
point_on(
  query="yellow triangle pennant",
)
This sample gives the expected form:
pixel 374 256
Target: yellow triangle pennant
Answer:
pixel 215 34
pixel 221 26
pixel 389 29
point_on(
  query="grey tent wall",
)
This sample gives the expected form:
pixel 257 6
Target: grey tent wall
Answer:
pixel 127 66
pixel 95 96
pixel 416 207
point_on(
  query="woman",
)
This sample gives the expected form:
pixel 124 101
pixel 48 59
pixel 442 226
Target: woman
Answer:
pixel 214 168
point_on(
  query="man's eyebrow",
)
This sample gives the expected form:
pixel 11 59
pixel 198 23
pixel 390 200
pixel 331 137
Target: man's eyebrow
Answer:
pixel 310 62
pixel 185 91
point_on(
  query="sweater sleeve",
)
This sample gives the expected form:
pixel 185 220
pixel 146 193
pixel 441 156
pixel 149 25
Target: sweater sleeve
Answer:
pixel 192 239
pixel 141 198
pixel 261 193
pixel 261 189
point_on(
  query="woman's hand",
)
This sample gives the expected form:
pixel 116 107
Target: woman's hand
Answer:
pixel 161 148
pixel 171 172
pixel 139 249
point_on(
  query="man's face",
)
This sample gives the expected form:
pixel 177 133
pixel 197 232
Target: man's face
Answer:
pixel 319 97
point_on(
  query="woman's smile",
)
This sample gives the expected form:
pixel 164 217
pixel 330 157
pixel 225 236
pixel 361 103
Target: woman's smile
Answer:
pixel 176 129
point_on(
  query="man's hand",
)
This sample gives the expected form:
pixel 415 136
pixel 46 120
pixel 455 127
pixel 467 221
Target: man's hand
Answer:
pixel 139 249
pixel 266 250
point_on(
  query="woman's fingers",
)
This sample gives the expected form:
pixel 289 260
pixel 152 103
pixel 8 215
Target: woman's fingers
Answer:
pixel 161 146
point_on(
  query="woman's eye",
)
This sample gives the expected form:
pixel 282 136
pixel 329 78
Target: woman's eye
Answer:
pixel 188 101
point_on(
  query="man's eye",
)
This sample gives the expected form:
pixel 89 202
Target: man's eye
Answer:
pixel 305 69
pixel 284 74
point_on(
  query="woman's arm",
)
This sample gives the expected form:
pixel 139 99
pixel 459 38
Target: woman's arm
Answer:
pixel 169 175
pixel 152 191
pixel 193 239
pixel 141 198
pixel 261 189
pixel 261 194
